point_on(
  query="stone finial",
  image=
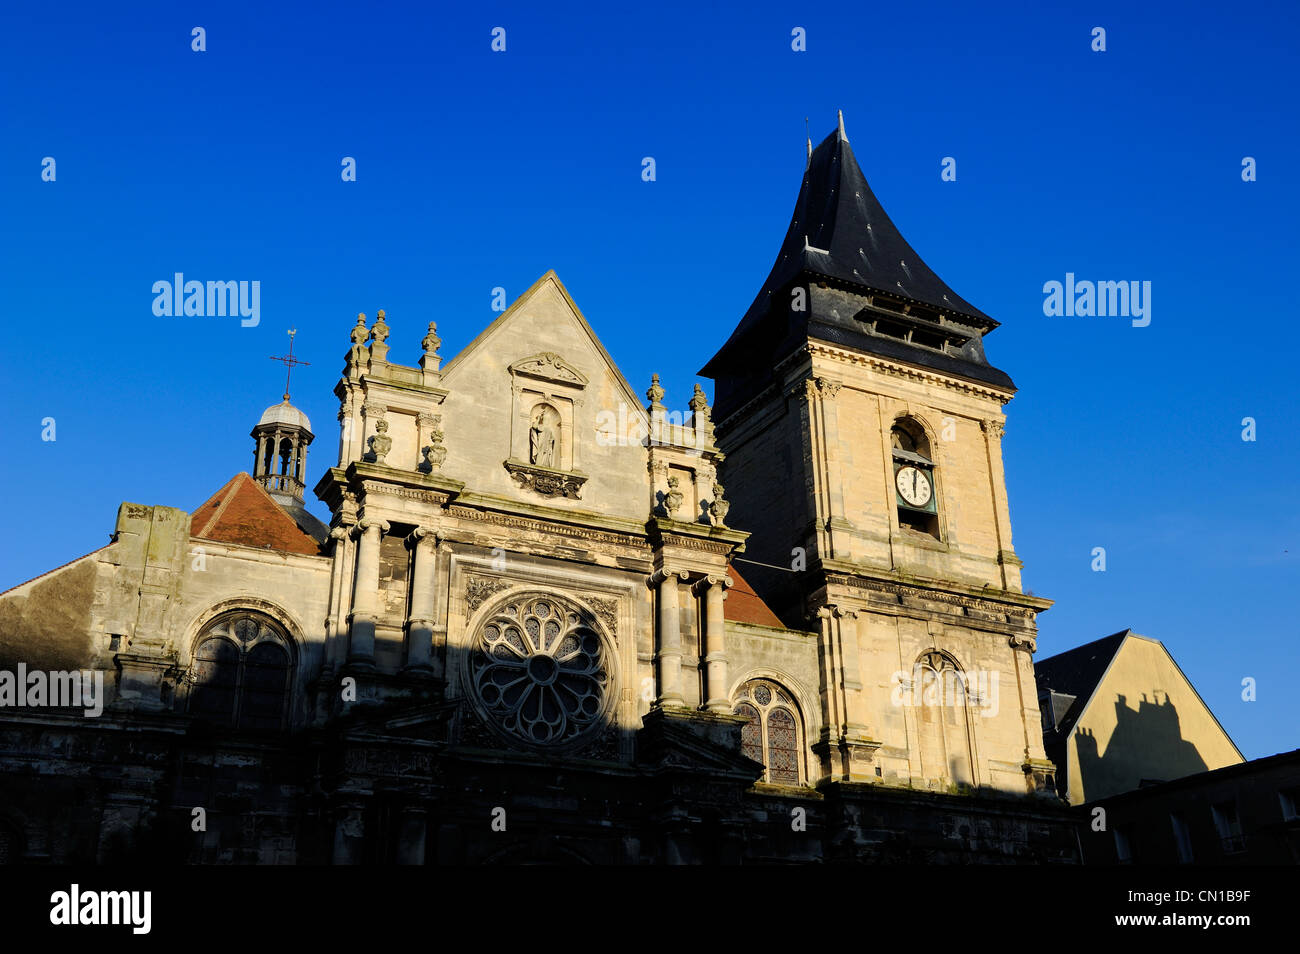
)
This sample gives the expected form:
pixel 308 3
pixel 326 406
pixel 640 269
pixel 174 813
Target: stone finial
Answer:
pixel 434 452
pixel 431 341
pixel 674 497
pixel 655 393
pixel 430 362
pixel 378 341
pixel 356 355
pixel 719 507
pixel 699 402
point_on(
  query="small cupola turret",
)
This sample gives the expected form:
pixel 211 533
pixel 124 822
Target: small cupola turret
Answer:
pixel 283 434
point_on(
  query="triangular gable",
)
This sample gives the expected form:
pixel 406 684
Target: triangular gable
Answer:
pixel 1078 672
pixel 243 513
pixel 634 402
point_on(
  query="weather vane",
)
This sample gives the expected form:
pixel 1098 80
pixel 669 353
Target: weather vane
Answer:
pixel 289 361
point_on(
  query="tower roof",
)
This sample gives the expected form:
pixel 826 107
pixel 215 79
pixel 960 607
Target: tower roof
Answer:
pixel 285 413
pixel 243 512
pixel 840 235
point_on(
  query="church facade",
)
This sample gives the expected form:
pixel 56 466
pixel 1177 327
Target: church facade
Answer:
pixel 528 631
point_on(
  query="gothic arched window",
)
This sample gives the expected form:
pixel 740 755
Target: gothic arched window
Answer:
pixel 240 675
pixel 914 490
pixel 942 697
pixel 773 732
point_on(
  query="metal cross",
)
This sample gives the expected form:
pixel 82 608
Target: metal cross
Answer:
pixel 289 361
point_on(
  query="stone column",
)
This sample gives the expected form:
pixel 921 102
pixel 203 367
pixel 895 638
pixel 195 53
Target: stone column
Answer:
pixel 420 624
pixel 258 461
pixel 410 842
pixel 715 655
pixel 365 593
pixel 669 648
pixel 349 832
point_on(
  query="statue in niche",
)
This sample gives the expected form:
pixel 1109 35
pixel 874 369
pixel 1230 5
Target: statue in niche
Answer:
pixel 544 437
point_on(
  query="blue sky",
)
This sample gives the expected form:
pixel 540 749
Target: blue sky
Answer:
pixel 479 169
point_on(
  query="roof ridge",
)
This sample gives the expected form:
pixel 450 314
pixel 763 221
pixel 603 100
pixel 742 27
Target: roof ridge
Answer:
pixel 61 566
pixel 221 507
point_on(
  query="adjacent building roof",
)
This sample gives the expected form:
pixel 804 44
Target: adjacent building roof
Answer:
pixel 243 512
pixel 840 234
pixel 1077 672
pixel 743 605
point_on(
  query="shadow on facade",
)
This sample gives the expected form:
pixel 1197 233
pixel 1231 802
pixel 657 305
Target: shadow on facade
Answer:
pixel 1146 745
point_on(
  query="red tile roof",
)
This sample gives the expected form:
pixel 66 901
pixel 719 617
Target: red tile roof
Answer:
pixel 743 605
pixel 243 512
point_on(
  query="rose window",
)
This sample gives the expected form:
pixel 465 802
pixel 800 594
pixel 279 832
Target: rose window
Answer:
pixel 539 670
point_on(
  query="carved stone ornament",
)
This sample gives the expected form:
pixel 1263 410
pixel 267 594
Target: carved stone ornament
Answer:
pixel 434 452
pixel 380 442
pixel 719 507
pixel 359 336
pixel 547 482
pixel 655 393
pixel 673 499
pixel 995 429
pixel 431 341
pixel 479 590
pixel 379 332
pixel 699 402
pixel 607 610
pixel 549 366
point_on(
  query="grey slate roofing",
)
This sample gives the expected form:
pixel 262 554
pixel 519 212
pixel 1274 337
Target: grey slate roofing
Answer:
pixel 1077 672
pixel 840 234
pixel 1075 675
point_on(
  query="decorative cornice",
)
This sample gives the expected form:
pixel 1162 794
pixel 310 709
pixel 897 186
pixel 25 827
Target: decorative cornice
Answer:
pixel 903 590
pixel 872 362
pixel 549 528
pixel 380 488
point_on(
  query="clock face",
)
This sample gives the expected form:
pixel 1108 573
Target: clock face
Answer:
pixel 913 486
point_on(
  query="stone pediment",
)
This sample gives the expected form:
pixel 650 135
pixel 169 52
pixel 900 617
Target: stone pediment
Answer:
pixel 549 366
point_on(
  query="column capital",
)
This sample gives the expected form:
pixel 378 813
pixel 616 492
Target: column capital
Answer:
pixel 705 583
pixel 369 523
pixel 420 535
pixel 995 429
pixel 661 574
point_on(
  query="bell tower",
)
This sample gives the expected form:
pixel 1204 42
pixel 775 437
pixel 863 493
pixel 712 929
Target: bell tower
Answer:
pixel 862 427
pixel 283 434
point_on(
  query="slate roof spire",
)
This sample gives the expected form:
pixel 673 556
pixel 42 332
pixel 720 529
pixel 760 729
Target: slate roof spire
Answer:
pixel 839 234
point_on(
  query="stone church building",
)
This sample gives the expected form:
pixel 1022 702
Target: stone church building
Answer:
pixel 550 621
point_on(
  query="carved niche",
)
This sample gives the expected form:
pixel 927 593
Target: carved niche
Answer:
pixel 546 398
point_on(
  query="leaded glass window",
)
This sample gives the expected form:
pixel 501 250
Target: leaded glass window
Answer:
pixel 240 675
pixel 540 671
pixel 772 735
